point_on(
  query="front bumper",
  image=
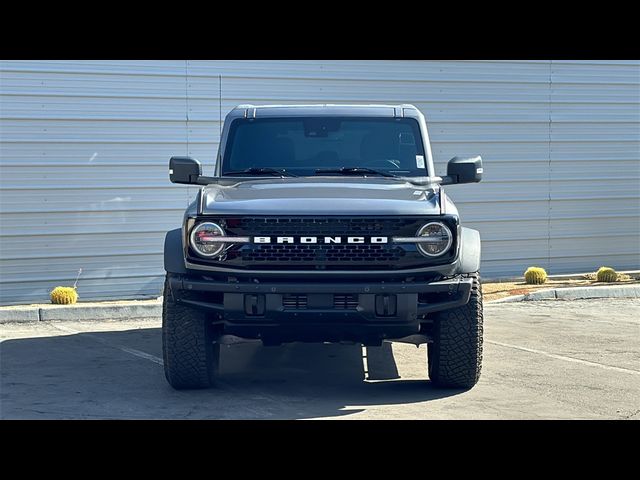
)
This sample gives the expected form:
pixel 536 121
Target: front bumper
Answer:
pixel 379 309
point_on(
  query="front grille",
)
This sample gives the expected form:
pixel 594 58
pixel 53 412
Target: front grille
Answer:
pixel 322 226
pixel 322 253
pixel 326 256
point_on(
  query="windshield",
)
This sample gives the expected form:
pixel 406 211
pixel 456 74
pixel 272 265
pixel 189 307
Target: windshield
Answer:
pixel 301 146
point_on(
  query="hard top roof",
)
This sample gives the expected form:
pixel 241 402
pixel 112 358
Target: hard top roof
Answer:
pixel 255 111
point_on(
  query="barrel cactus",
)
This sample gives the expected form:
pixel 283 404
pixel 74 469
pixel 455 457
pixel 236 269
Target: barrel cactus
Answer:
pixel 64 295
pixel 606 274
pixel 535 275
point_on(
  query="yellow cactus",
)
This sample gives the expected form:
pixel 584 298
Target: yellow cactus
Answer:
pixel 606 274
pixel 64 295
pixel 535 275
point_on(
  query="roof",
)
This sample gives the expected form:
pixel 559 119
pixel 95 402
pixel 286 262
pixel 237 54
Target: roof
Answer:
pixel 255 111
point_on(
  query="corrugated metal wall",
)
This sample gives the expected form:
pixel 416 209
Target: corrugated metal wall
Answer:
pixel 85 145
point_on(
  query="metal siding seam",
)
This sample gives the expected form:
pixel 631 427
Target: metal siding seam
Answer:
pixel 549 171
pixel 186 116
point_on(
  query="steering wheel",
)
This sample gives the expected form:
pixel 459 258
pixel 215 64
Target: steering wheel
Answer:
pixel 386 163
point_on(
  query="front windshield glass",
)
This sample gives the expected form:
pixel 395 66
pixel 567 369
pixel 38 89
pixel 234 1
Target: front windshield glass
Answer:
pixel 303 145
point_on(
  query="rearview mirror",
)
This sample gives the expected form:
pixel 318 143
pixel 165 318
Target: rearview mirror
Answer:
pixel 463 170
pixel 184 170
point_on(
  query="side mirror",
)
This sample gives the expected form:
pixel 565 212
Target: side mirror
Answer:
pixel 463 170
pixel 184 170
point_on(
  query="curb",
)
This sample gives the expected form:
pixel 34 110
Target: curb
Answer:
pixel 575 293
pixel 100 313
pixel 81 312
pixel 20 314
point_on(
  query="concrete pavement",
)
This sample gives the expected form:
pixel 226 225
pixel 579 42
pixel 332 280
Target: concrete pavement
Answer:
pixel 578 359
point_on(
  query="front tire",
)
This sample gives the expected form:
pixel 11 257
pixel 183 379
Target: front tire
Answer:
pixel 191 356
pixel 455 356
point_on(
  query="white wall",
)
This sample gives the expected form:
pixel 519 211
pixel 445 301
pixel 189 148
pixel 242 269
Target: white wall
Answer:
pixel 85 145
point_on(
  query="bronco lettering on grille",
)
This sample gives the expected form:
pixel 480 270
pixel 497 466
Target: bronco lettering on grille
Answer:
pixel 327 240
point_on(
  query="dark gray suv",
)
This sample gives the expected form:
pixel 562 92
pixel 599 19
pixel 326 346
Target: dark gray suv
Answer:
pixel 323 223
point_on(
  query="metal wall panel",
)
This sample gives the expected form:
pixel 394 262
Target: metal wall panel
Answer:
pixel 594 160
pixel 85 144
pixel 83 175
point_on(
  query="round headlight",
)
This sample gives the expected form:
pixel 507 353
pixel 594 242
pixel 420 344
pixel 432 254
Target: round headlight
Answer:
pixel 437 239
pixel 203 239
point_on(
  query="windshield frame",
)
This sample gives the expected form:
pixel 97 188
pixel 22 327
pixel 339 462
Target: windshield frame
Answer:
pixel 416 125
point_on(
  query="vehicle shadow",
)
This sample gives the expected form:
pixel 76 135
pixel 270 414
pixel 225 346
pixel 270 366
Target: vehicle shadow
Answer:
pixel 106 375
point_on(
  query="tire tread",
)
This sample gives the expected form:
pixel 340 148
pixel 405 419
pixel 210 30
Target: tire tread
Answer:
pixel 455 356
pixel 189 353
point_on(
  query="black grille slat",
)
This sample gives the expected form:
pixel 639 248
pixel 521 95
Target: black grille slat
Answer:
pixel 345 302
pixel 294 301
pixel 325 253
pixel 300 301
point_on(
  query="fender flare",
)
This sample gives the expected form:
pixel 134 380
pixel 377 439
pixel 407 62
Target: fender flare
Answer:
pixel 470 249
pixel 173 252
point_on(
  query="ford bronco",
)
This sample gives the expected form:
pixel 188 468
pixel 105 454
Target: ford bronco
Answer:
pixel 323 223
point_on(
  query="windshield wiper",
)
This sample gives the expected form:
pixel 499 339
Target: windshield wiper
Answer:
pixel 355 171
pixel 262 171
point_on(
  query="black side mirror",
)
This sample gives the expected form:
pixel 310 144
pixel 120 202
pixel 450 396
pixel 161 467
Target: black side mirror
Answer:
pixel 184 170
pixel 463 170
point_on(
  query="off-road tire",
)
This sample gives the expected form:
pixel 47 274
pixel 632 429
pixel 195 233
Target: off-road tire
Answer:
pixel 455 356
pixel 191 358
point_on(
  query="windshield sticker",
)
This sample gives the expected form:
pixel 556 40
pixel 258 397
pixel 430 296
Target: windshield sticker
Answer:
pixel 420 161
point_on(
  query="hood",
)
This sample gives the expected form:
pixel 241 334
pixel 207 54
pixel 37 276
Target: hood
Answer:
pixel 325 196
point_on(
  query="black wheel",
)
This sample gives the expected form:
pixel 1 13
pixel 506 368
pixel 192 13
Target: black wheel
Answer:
pixel 191 356
pixel 455 356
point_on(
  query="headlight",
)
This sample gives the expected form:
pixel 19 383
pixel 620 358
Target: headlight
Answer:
pixel 203 239
pixel 437 239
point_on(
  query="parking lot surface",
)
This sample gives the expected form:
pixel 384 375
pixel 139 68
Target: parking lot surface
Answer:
pixel 542 360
